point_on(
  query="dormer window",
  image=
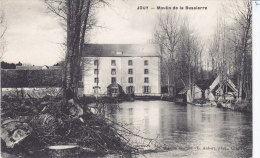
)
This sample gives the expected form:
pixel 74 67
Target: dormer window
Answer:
pixel 119 53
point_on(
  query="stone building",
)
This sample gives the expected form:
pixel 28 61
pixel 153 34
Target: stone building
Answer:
pixel 135 68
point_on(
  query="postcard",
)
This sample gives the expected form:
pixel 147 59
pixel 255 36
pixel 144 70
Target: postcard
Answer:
pixel 139 78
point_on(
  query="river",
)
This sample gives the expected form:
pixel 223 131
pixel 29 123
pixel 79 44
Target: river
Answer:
pixel 188 130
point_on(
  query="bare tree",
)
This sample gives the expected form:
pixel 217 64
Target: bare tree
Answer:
pixel 188 60
pixel 181 51
pixel 231 47
pixel 167 36
pixel 243 22
pixel 78 16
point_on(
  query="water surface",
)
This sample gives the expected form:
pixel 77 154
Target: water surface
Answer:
pixel 188 130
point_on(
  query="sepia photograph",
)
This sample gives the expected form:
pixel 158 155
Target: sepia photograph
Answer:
pixel 126 78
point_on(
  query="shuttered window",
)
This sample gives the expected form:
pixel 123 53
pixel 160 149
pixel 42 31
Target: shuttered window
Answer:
pixel 146 71
pixel 146 80
pixel 96 62
pixel 146 62
pixel 96 80
pixel 96 71
pixel 130 71
pixel 113 62
pixel 130 62
pixel 113 80
pixel 113 71
pixel 130 89
pixel 146 89
pixel 130 79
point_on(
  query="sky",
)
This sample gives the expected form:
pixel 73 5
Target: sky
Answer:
pixel 34 35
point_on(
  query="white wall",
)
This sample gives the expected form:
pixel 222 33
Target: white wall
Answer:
pixel 122 74
pixel 209 95
pixel 198 94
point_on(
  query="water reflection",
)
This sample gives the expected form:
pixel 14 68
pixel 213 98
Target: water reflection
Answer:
pixel 190 131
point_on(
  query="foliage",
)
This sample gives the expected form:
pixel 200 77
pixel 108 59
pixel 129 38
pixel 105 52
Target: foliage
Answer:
pixel 231 47
pixel 31 78
pixel 181 51
pixel 5 65
pixel 229 52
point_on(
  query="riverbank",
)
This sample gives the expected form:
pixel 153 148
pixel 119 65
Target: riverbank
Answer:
pixel 154 120
pixel 37 124
pixel 242 106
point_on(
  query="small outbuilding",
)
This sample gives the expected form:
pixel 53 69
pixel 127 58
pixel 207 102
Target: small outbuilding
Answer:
pixel 220 88
pixel 186 96
pixel 114 90
pixel 223 88
pixel 204 85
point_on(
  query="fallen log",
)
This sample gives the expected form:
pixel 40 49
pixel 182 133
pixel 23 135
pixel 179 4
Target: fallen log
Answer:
pixel 63 150
pixel 14 131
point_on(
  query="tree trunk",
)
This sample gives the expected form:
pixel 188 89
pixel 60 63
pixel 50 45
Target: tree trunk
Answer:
pixel 77 20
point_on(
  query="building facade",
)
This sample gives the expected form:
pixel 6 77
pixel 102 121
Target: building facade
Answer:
pixel 133 68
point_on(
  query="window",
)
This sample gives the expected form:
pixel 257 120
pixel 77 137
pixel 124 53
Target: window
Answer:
pixel 130 71
pixel 113 71
pixel 96 71
pixel 95 62
pixel 119 53
pixel 96 80
pixel 130 62
pixel 130 89
pixel 146 71
pixel 146 80
pixel 146 62
pixel 113 62
pixel 95 90
pixel 130 79
pixel 146 89
pixel 113 80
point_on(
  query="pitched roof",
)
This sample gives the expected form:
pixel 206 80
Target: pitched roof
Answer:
pixel 114 85
pixel 226 80
pixel 113 50
pixel 185 89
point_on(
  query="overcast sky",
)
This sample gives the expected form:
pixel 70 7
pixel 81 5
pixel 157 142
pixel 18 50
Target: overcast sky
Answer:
pixel 34 35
